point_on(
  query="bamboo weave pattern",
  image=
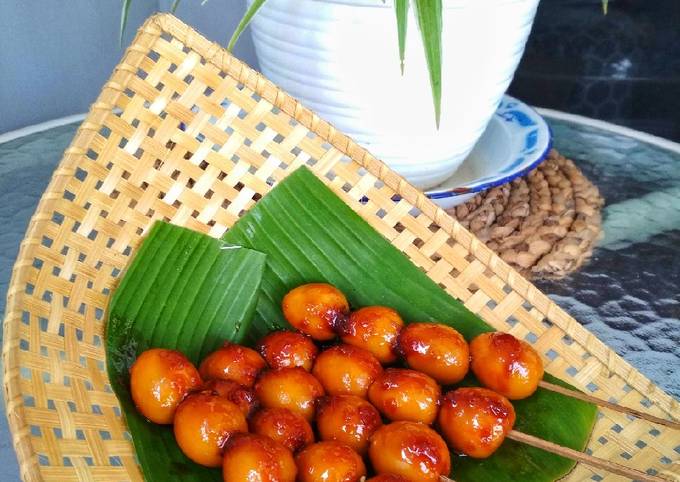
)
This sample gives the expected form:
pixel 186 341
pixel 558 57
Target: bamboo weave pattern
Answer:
pixel 185 132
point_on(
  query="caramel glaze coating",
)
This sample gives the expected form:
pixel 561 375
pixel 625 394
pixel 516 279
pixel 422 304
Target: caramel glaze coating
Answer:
pixel 291 388
pixel 159 381
pixel 402 394
pixel 329 462
pixel 346 370
pixel 285 349
pixel 233 362
pixel 412 450
pixel 250 457
pixel 435 349
pixel 288 428
pixel 388 478
pixel 347 419
pixel 203 424
pixel 474 421
pixel 506 365
pixel 314 309
pixel 243 397
pixel 373 328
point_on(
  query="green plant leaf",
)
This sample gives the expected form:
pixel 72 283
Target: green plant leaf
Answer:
pixel 429 15
pixel 125 11
pixel 173 7
pixel 605 6
pixel 401 12
pixel 247 17
pixel 184 291
pixel 309 234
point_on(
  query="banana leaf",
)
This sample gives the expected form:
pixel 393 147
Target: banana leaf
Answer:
pixel 309 234
pixel 183 291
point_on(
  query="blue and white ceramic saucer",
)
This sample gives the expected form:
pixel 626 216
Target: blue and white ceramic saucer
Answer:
pixel 515 141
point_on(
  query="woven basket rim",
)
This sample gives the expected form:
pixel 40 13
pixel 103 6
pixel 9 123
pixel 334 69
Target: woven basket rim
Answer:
pixel 223 60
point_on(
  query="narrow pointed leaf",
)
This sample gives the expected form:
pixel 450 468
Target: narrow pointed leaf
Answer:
pixel 124 13
pixel 309 235
pixel 401 11
pixel 184 291
pixel 173 7
pixel 250 13
pixel 429 15
pixel 605 6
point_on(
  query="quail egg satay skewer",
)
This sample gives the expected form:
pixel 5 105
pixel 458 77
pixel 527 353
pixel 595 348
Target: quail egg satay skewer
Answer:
pixel 373 328
pixel 233 362
pixel 475 421
pixel 329 461
pixel 347 419
pixel 513 368
pixel 282 425
pixel 346 370
pixel 243 397
pixel 286 349
pixel 402 394
pixel 256 457
pixel 291 388
pixel 159 381
pixel 315 309
pixel 435 349
pixel 203 424
pixel 410 449
pixel 506 364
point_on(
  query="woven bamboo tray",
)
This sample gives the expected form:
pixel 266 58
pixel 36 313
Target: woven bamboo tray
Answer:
pixel 160 142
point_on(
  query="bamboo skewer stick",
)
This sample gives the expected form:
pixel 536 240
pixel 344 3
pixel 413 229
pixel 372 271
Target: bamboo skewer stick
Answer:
pixel 609 405
pixel 597 462
pixel 581 457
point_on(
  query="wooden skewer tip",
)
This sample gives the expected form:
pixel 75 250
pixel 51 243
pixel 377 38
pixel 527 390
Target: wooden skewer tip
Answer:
pixel 597 462
pixel 612 406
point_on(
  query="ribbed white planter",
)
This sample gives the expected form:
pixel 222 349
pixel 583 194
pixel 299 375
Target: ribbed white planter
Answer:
pixel 340 58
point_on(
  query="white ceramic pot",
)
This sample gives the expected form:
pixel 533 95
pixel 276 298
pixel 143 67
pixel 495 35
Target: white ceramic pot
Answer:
pixel 340 58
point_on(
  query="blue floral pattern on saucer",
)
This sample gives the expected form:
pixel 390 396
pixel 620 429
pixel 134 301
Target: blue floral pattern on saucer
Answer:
pixel 515 141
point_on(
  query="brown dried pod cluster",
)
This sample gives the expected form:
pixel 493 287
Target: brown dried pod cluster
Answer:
pixel 544 224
